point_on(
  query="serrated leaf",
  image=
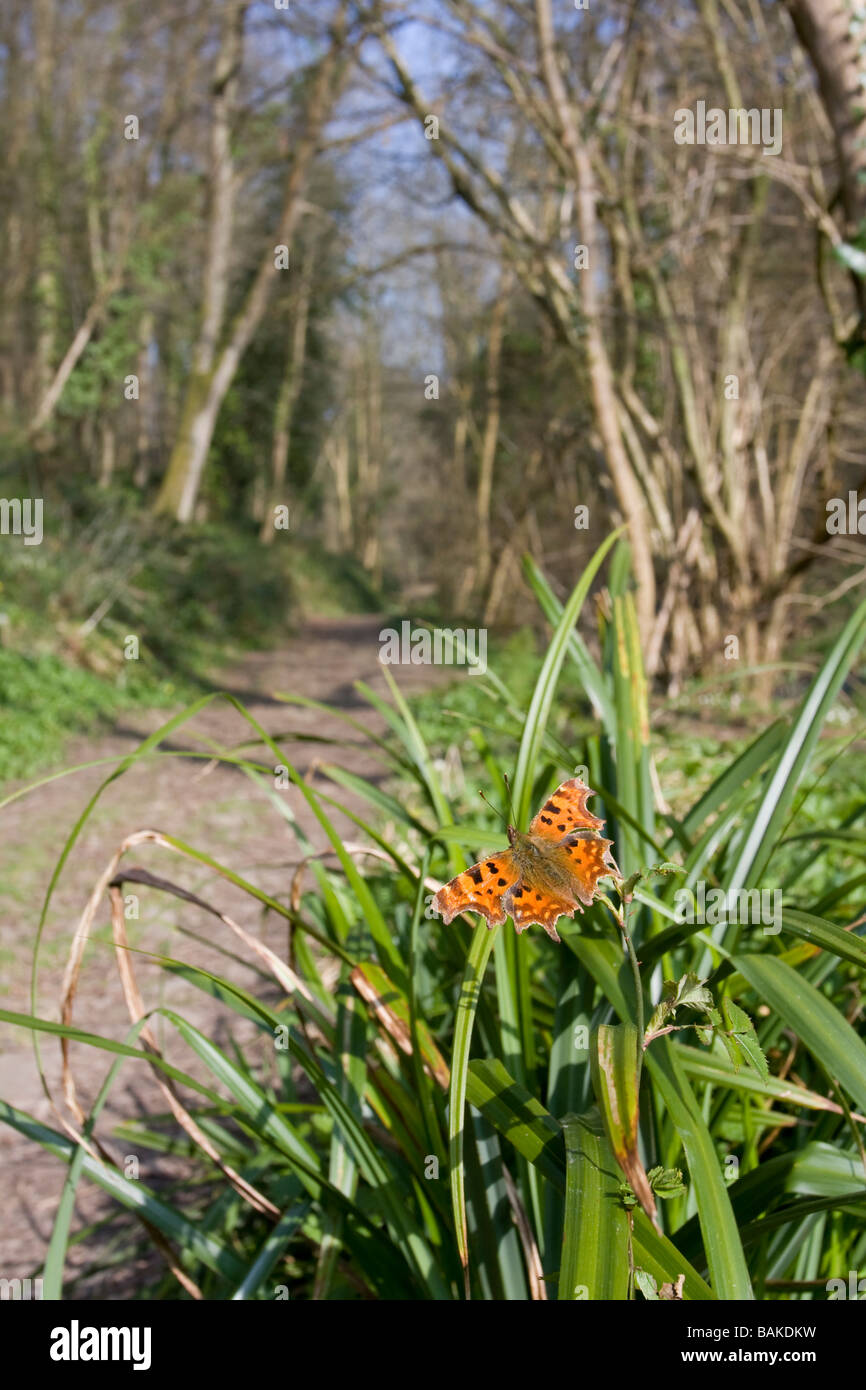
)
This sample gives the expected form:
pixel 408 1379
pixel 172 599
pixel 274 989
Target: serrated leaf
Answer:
pixel 647 1285
pixel 692 993
pixel 666 1182
pixel 660 1015
pixel 732 1048
pixel 743 1030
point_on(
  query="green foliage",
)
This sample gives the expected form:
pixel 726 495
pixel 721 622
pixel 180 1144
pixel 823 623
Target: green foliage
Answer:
pixel 376 1173
pixel 44 699
pixel 731 1025
pixel 193 597
pixel 664 1182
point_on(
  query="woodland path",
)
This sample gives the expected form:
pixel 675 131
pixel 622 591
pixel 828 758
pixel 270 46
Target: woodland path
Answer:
pixel 213 808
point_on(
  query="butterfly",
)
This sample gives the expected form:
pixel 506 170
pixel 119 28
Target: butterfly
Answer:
pixel 546 874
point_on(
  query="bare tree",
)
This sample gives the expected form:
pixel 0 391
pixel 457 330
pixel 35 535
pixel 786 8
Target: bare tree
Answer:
pixel 222 342
pixel 676 316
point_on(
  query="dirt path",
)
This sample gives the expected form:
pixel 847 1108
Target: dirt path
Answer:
pixel 215 809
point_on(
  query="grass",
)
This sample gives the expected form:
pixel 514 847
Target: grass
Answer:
pixel 449 1111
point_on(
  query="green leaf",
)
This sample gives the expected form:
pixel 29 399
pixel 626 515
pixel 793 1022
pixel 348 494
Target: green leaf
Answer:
pixel 271 1249
pixel 725 1258
pixel 768 819
pixel 827 935
pixel 519 1116
pixel 594 1259
pixel 743 1029
pixel 470 990
pixel 691 993
pixel 541 703
pixel 824 1031
pixel 615 1080
pixel 715 1071
pixel 535 1134
pixel 647 1285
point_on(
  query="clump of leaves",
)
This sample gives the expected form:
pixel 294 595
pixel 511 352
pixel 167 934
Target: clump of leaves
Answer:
pixel 731 1023
pixel 668 1293
pixel 664 1182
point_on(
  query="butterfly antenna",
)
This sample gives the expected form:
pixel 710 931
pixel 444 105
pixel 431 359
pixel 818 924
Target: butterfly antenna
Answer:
pixel 493 808
pixel 510 802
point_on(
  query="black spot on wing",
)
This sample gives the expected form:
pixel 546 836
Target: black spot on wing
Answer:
pixel 475 874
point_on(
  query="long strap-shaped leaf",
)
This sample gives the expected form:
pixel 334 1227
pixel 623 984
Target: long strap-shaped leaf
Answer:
pixel 535 1134
pixel 476 963
pixel 594 1261
pixel 545 687
pixel 822 1028
pixel 770 814
pixel 725 1259
pixel 614 1060
pixel 591 678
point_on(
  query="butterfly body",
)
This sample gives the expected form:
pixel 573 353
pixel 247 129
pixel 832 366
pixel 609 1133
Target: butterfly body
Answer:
pixel 547 873
pixel 540 862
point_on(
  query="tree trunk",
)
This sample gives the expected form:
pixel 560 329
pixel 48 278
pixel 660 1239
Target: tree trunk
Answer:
pixel 288 395
pixel 199 412
pixel 490 439
pixel 211 377
pixel 107 455
pixel 826 30
pixel 47 287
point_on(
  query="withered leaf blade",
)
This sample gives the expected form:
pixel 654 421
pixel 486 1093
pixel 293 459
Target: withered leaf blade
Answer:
pixel 613 1062
pixel 392 1013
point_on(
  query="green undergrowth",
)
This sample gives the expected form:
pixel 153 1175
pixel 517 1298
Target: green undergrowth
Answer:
pixel 660 1104
pixel 113 611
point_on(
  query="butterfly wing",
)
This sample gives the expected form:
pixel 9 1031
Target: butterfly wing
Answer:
pixel 529 904
pixel 480 889
pixel 587 859
pixel 508 884
pixel 565 811
pixel 580 857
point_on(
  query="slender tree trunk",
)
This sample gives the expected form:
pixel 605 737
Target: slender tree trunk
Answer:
pixel 288 394
pixel 833 40
pixel 108 455
pixel 601 376
pixel 212 376
pixel 490 439
pixel 145 405
pixel 368 454
pixel 339 459
pixel 199 410
pixel 371 556
pixel 47 286
pixel 16 123
pixel 73 354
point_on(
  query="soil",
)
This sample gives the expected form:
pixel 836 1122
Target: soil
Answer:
pixel 214 808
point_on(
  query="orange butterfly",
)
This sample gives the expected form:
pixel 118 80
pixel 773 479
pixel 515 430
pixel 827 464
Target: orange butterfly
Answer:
pixel 545 875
